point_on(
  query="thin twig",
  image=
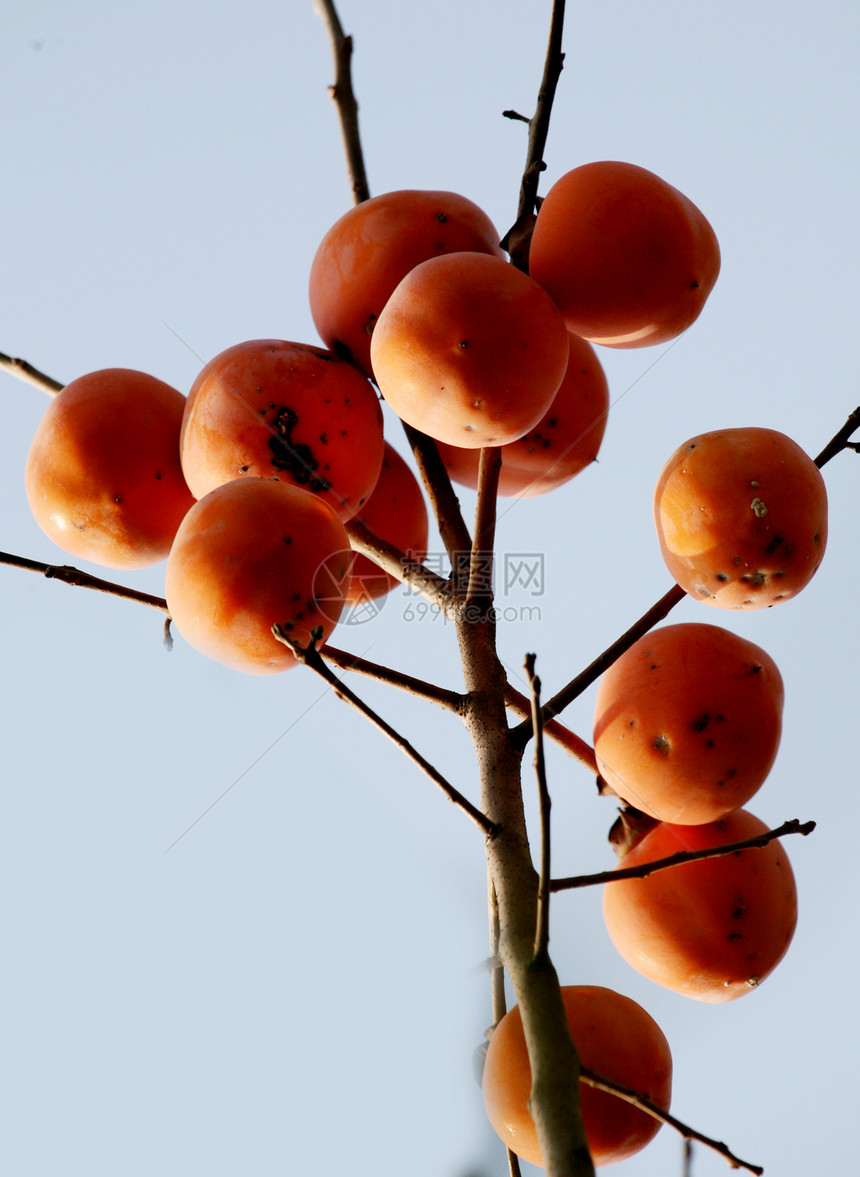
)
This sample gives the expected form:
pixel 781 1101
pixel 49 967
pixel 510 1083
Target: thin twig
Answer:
pixel 603 661
pixel 310 656
pixel 74 576
pixel 542 929
pixel 841 441
pixel 344 98
pixel 645 1104
pixel 793 826
pixel 31 375
pixel 392 560
pixel 443 500
pixel 450 700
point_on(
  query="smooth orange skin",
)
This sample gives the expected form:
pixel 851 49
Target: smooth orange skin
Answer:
pixel 103 477
pixel 615 1037
pixel 253 553
pixel 629 260
pixel 270 408
pixel 741 517
pixel 469 350
pixel 687 722
pixel 714 929
pixel 371 248
pixel 396 512
pixel 565 440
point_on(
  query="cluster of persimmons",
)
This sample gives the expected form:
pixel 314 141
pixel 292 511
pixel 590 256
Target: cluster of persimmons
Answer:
pixel 246 484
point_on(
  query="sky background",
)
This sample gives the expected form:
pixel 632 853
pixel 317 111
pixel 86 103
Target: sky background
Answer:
pixel 240 933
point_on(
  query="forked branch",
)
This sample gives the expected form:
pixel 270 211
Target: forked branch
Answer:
pixel 344 98
pixel 841 441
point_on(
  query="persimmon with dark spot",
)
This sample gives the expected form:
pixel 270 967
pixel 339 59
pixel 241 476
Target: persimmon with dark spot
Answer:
pixel 741 517
pixel 629 259
pixel 254 553
pixel 103 475
pixel 372 247
pixel 712 929
pixel 469 350
pixel 271 408
pixel 687 722
pixel 615 1037
pixel 395 512
pixel 563 443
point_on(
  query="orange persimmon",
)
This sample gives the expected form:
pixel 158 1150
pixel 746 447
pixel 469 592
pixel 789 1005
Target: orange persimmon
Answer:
pixel 253 553
pixel 564 441
pixel 103 477
pixel 396 512
pixel 270 408
pixel 712 929
pixel 469 350
pixel 372 247
pixel 615 1037
pixel 741 517
pixel 687 722
pixel 628 259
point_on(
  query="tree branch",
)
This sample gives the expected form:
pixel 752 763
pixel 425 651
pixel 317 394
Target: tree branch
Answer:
pixel 392 560
pixel 841 440
pixel 344 98
pixel 443 501
pixel 647 1105
pixel 31 375
pixel 74 576
pixel 310 656
pixel 542 933
pixel 450 700
pixel 557 732
pixel 645 869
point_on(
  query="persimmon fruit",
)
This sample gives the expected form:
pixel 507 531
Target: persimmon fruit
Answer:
pixel 615 1037
pixel 272 408
pixel 741 517
pixel 253 553
pixel 396 512
pixel 469 350
pixel 366 253
pixel 712 929
pixel 687 722
pixel 628 258
pixel 565 440
pixel 103 476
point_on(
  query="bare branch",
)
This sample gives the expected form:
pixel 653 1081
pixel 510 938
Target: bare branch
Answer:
pixel 393 561
pixel 793 826
pixel 344 98
pixel 479 593
pixel 841 440
pixel 542 932
pixel 443 501
pixel 310 656
pixel 450 700
pixel 603 661
pixel 31 375
pixel 647 1105
pixel 74 576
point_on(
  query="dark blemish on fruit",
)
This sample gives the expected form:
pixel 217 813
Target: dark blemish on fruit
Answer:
pixel 288 539
pixel 297 596
pixel 661 744
pixel 774 544
pixel 631 722
pixel 739 911
pixel 118 499
pixel 722 576
pixel 815 538
pixel 699 725
pixel 734 936
pixel 324 439
pixel 709 743
pixel 694 285
pixel 464 343
pixel 442 218
pixel 244 469
pixel 294 457
pixel 157 477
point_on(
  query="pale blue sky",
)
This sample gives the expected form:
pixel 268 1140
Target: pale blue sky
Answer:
pixel 291 987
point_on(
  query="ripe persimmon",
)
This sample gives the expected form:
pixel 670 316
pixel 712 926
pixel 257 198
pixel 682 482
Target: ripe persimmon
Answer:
pixel 687 722
pixel 564 441
pixel 615 1037
pixel 253 553
pixel 628 259
pixel 469 350
pixel 712 929
pixel 396 512
pixel 741 517
pixel 103 477
pixel 373 246
pixel 269 408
